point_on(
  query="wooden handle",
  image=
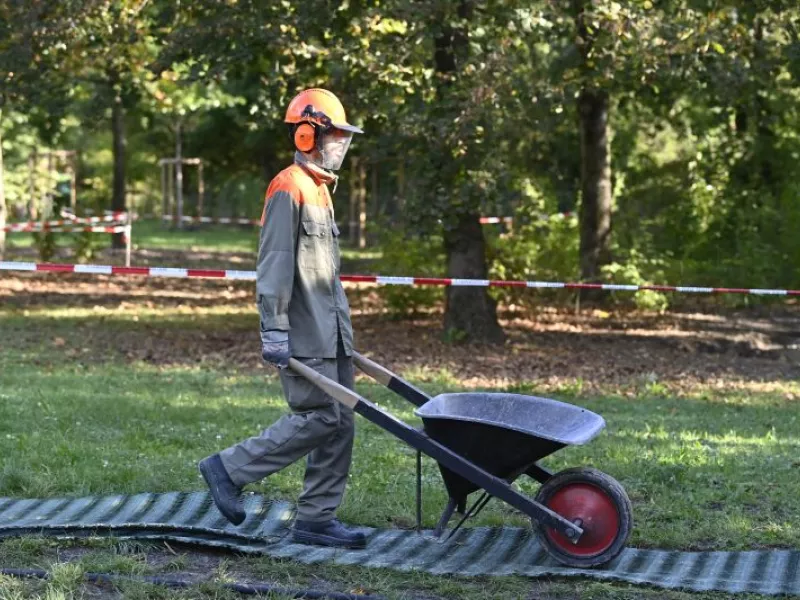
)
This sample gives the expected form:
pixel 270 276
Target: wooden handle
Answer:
pixel 329 386
pixel 391 380
pixel 379 373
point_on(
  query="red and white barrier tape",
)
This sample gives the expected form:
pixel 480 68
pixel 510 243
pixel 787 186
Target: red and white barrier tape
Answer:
pixel 105 212
pixel 384 280
pixel 245 221
pixel 107 218
pixel 541 217
pixel 36 225
pixel 63 227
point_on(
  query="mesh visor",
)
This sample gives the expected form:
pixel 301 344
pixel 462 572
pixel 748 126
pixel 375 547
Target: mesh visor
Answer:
pixel 333 148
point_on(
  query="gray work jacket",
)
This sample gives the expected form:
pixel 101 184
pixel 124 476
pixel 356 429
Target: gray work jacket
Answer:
pixel 297 276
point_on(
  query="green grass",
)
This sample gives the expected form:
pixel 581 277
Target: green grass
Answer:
pixel 715 468
pixel 152 234
pixel 364 254
pixel 703 473
pixel 20 241
pixel 102 555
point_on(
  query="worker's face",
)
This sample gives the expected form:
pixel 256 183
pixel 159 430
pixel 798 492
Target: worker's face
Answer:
pixel 335 144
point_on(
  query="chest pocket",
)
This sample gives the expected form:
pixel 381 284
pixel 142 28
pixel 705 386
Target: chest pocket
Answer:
pixel 314 247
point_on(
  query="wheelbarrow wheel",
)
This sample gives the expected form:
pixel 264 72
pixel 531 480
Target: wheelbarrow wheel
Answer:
pixel 598 504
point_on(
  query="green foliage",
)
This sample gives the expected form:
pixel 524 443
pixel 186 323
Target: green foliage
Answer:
pixel 45 243
pixel 632 272
pixel 180 91
pixel 705 110
pixel 85 246
pixel 242 195
pixel 402 254
pixel 542 250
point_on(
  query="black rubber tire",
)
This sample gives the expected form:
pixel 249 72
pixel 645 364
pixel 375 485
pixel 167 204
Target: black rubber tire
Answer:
pixel 614 492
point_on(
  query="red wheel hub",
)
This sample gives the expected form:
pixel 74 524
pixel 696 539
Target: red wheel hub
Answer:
pixel 593 510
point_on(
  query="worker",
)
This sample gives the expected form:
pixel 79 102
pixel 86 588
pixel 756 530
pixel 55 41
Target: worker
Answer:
pixel 303 314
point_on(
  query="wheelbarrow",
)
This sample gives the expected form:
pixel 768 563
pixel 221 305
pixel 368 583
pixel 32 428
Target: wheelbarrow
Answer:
pixel 485 441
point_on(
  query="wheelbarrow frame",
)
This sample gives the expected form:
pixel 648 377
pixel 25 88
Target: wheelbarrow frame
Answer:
pixel 417 397
pixel 418 439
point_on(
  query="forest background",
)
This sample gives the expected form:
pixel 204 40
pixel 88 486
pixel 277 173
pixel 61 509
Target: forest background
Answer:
pixel 633 142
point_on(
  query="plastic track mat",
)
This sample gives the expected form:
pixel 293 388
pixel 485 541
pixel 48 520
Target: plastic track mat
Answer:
pixel 191 517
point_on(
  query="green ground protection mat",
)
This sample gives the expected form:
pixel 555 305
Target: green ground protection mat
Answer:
pixel 192 518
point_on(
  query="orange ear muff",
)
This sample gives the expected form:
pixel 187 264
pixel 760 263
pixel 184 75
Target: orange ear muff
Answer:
pixel 304 137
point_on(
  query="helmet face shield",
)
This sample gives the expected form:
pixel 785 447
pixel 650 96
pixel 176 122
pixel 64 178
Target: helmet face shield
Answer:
pixel 333 147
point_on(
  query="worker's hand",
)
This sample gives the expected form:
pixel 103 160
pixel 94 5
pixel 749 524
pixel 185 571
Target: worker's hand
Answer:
pixel 275 348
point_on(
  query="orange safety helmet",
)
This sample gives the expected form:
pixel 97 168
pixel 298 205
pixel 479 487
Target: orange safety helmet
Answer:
pixel 314 111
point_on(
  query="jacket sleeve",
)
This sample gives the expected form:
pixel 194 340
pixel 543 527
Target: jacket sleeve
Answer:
pixel 276 259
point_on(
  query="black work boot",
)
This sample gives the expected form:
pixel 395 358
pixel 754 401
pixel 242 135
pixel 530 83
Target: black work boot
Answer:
pixel 226 494
pixel 327 533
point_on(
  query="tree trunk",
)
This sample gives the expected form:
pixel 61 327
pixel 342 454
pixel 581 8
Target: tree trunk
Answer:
pixel 171 193
pixel 73 182
pixel 765 136
pixel 469 311
pixel 179 175
pixel 164 205
pixel 201 189
pixel 593 107
pixel 595 210
pixel 362 203
pixel 119 149
pixel 48 196
pixel 33 167
pixel 352 200
pixel 358 195
pixel 2 194
pixel 470 314
pixel 397 210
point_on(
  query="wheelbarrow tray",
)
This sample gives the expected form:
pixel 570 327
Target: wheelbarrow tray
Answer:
pixel 504 434
pixel 540 418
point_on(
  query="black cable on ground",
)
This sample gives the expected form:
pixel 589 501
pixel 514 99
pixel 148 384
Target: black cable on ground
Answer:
pixel 242 588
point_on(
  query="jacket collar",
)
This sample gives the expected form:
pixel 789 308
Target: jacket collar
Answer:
pixel 319 174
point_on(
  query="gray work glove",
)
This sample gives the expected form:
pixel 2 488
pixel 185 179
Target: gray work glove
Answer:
pixel 275 347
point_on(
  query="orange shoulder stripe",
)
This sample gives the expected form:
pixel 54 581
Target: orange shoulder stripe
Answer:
pixel 283 182
pixel 311 193
pixel 296 182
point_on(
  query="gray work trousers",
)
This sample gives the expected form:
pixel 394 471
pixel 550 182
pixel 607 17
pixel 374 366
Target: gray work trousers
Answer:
pixel 318 426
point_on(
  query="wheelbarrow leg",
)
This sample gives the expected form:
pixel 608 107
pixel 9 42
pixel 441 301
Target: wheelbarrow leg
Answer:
pixel 535 471
pixel 448 512
pixel 419 491
pixel 474 510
